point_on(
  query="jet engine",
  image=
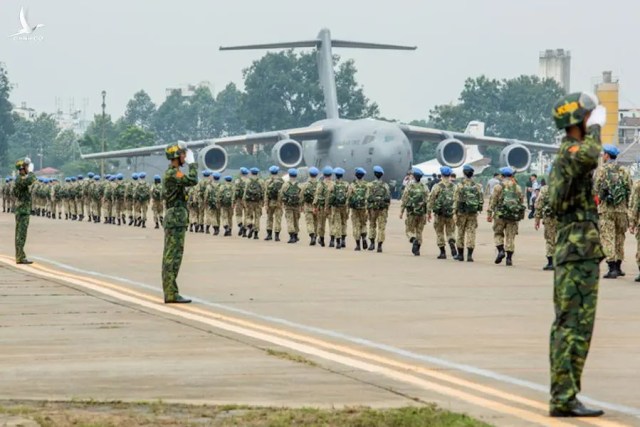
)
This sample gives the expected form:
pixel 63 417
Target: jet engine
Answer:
pixel 516 156
pixel 213 157
pixel 451 152
pixel 287 153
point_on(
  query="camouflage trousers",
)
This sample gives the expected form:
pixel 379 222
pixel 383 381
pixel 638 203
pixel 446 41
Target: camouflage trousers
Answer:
pixel 274 217
pixel 240 212
pixel 575 297
pixel 158 210
pixel 213 217
pixel 292 216
pixel 79 206
pixel 339 217
pixel 119 208
pixel 96 207
pixel 226 216
pixel 359 219
pixel 128 207
pixel 414 226
pixel 444 227
pixel 550 231
pixel 504 233
pixel 613 226
pixel 140 209
pixel 22 226
pixel 253 214
pixel 107 208
pixel 310 219
pixel 67 207
pixel 378 224
pixel 55 208
pixel 172 259
pixel 193 215
pixel 324 215
pixel 466 224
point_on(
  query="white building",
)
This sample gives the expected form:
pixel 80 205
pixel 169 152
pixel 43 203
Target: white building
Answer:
pixel 556 65
pixel 25 112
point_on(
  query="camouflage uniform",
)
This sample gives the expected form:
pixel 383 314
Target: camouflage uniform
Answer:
pixel 466 221
pixel 504 230
pixel 443 208
pixel 357 200
pixel 310 213
pixel 157 206
pixel 175 225
pixel 192 204
pixel 119 199
pixel 273 204
pixel 225 199
pixel 84 207
pixel 378 202
pixel 238 188
pixel 577 257
pixel 613 217
pixel 549 221
pixel 339 211
pixel 253 208
pixel 320 205
pixel 5 199
pixel 291 198
pixel 22 210
pixel 202 204
pixel 129 195
pixel 141 202
pixel 107 201
pixel 212 202
pixel 415 200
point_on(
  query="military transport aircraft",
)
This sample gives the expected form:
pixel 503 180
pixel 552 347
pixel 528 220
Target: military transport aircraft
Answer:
pixel 346 143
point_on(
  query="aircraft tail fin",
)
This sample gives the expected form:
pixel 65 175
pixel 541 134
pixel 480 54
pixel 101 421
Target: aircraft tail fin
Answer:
pixel 324 57
pixel 475 128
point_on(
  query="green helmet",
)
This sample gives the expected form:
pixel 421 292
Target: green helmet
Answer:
pixel 174 151
pixel 572 109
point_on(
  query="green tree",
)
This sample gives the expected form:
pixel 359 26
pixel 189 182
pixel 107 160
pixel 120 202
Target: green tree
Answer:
pixel 100 128
pixel 6 120
pixel 228 111
pixel 282 90
pixel 34 138
pixel 202 108
pixel 134 137
pixel 172 120
pixel 140 111
pixel 64 149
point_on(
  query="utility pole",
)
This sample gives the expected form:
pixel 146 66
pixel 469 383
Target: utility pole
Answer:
pixel 104 95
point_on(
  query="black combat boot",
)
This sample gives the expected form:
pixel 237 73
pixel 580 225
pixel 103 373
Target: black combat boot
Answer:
pixel 613 272
pixel 216 230
pixel 619 269
pixel 549 266
pixel 312 242
pixel 460 256
pixel 415 249
pixel 131 221
pixel 162 221
pixel 277 238
pixel 321 241
pixel 227 232
pixel 412 239
pixel 156 227
pixel 144 224
pixel 295 236
pixel 501 254
pixel 244 232
pixel 379 247
pixel 637 279
pixel 363 236
pixel 452 247
pixel 208 229
pixel 357 248
pixel 509 258
pixel 338 243
pixel 118 220
pixel 443 254
pixel 372 244
pixel 575 409
pixel 255 234
pixel 469 255
pixel 344 241
pixel 240 229
pixel 66 216
pixel 191 228
pixel 332 242
pixel 291 240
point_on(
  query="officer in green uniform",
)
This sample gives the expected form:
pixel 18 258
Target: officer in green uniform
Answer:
pixel 22 194
pixel 176 217
pixel 578 250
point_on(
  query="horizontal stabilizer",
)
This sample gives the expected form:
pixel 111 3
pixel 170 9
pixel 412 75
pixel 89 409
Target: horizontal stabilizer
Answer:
pixel 361 45
pixel 285 45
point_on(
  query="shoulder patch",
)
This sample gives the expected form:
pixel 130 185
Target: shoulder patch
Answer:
pixel 179 174
pixel 573 149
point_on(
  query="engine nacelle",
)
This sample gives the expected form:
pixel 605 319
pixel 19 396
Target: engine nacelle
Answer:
pixel 287 153
pixel 516 156
pixel 213 157
pixel 451 152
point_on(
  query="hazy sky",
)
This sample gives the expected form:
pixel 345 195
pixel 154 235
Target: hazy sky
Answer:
pixel 123 46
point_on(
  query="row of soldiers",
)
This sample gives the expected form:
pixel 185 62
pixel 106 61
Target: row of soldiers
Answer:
pixel 327 199
pixel 111 200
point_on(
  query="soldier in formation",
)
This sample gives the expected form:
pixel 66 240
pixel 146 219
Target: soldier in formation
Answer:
pixel 22 194
pixel 378 202
pixel 253 199
pixel 157 205
pixel 212 201
pixel 226 200
pixel 273 204
pixel 506 210
pixel 441 203
pixel 141 200
pixel 320 204
pixel 357 200
pixel 415 200
pixel 291 198
pixel 129 195
pixel 310 213
pixel 468 202
pixel 238 203
pixel 337 200
pixel 544 214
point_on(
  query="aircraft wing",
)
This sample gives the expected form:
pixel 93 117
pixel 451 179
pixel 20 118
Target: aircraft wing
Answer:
pixel 419 134
pixel 299 134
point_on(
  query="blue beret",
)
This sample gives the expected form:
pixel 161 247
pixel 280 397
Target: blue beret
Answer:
pixel 506 171
pixel 611 149
pixel 255 171
pixel 445 170
pixel 274 169
pixel 327 171
pixel 293 172
pixel 228 178
pixel 468 168
pixel 378 169
pixel 216 175
pixel 314 171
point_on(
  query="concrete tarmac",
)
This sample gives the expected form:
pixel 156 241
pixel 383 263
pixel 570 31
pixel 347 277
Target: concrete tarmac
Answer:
pixel 282 324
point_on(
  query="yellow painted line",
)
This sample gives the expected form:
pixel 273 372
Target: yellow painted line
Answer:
pixel 218 321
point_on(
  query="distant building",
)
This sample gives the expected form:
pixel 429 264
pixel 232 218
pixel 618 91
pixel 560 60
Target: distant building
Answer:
pixel 189 89
pixel 556 65
pixel 25 112
pixel 608 91
pixel 629 127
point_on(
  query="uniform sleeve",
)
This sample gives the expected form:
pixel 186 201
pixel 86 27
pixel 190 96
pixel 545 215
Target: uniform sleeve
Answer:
pixel 403 200
pixel 493 202
pixel 633 205
pixel 539 203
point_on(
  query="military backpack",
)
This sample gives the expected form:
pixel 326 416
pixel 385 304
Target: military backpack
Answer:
pixel 614 190
pixel 310 191
pixel 253 191
pixel 511 208
pixel 338 197
pixel 379 197
pixel 226 196
pixel 273 188
pixel 358 199
pixel 291 196
pixel 212 198
pixel 470 199
pixel 443 205
pixel 416 200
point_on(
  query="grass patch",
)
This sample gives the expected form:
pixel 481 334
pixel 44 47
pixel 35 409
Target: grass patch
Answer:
pixel 291 357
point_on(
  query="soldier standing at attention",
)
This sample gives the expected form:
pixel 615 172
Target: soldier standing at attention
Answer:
pixel 212 198
pixel 225 200
pixel 578 250
pixel 310 214
pixel 176 219
pixel 507 203
pixel 130 190
pixel 337 201
pixel 441 202
pixel 634 220
pixel 357 200
pixel 291 197
pixel 468 203
pixel 320 204
pixel 156 201
pixel 21 191
pixel 613 188
pixel 240 183
pixel 253 200
pixel 119 199
pixel 378 201
pixel 415 200
pixel 543 212
pixel 273 203
pixel 143 195
pixel 201 205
